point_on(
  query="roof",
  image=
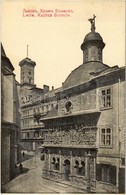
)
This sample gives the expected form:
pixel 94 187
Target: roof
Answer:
pixel 82 73
pixel 36 89
pixel 51 114
pixel 93 36
pixel 2 51
pixel 5 61
pixel 28 61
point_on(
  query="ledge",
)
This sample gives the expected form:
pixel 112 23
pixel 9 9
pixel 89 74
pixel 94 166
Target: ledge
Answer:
pixel 72 146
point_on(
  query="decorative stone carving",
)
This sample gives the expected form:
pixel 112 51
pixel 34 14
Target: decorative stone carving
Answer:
pixel 77 136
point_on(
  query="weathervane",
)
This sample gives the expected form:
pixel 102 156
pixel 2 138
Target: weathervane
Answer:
pixel 92 21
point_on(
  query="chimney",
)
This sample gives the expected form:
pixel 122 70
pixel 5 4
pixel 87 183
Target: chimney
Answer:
pixel 45 88
pixel 52 87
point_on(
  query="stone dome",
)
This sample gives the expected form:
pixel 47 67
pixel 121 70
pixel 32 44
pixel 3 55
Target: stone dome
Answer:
pixel 93 36
pixel 82 73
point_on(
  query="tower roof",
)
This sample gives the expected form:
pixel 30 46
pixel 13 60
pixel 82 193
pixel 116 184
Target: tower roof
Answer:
pixel 93 36
pixel 28 61
pixel 93 63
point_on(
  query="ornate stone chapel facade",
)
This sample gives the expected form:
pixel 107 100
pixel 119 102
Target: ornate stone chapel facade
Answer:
pixel 80 125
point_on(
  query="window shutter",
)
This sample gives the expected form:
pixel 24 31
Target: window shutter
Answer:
pixel 98 172
pixel 113 174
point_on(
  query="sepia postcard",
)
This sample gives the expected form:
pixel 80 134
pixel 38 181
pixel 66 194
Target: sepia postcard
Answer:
pixel 63 96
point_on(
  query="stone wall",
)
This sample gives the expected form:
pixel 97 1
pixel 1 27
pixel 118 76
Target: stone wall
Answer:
pixel 78 102
pixel 73 166
pixel 7 152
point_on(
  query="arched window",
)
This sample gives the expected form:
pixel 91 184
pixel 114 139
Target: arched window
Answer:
pixel 76 166
pixel 29 72
pixel 66 169
pixel 53 163
pixel 79 168
pixel 68 106
pixel 82 168
pixel 57 164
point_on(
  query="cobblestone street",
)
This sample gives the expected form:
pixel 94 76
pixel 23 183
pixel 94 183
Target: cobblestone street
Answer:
pixel 31 181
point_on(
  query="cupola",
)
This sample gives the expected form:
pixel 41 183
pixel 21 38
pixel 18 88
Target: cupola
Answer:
pixel 92 45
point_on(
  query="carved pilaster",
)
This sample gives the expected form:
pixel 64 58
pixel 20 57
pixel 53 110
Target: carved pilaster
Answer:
pixel 71 165
pixel 86 165
pixel 88 173
pixel 60 157
pixel 49 161
pixel 95 168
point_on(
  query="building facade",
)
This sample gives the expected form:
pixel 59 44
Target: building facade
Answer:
pixel 30 104
pixel 81 124
pixel 10 120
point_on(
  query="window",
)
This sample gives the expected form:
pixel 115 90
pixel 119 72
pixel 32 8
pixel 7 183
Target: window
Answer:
pixel 52 106
pixel 30 81
pixel 106 136
pixel 22 122
pixel 29 72
pixel 106 173
pixel 123 161
pixel 42 109
pixel 82 168
pixel 86 55
pixel 79 168
pixel 55 163
pixel 28 135
pixel 68 106
pixel 106 98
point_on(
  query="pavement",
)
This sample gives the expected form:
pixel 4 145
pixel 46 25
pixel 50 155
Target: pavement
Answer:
pixel 31 181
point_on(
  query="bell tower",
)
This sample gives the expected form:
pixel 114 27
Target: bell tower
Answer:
pixel 27 71
pixel 26 79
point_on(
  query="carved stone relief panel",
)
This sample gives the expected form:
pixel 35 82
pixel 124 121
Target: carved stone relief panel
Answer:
pixel 80 136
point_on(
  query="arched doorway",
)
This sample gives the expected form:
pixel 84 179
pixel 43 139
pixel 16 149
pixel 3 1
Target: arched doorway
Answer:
pixel 66 169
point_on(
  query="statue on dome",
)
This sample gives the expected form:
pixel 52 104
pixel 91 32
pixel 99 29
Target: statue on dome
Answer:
pixel 92 21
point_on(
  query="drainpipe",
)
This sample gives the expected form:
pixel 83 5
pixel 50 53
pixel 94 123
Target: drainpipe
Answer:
pixel 119 132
